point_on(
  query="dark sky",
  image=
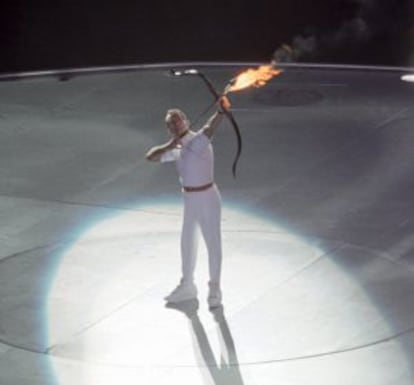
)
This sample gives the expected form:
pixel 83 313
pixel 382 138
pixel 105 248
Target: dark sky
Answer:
pixel 62 34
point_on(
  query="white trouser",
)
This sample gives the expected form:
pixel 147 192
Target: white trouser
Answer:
pixel 201 209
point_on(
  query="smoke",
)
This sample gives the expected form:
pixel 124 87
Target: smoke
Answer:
pixel 301 45
pixel 364 21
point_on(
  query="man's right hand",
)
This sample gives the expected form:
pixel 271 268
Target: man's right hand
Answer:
pixel 156 152
pixel 173 142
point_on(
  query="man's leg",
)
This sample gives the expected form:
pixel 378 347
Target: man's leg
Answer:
pixel 210 223
pixel 187 289
pixel 189 240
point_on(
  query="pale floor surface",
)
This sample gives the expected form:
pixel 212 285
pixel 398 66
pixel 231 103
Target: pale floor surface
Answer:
pixel 317 233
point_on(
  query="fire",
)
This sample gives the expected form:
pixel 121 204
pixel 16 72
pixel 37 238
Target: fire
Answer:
pixel 253 77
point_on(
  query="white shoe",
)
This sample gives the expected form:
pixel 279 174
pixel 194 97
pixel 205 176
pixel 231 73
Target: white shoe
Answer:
pixel 214 295
pixel 184 291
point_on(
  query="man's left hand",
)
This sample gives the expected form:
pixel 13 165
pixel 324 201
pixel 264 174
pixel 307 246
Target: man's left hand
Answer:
pixel 224 103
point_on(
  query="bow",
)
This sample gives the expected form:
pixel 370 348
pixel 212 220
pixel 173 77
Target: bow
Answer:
pixel 227 112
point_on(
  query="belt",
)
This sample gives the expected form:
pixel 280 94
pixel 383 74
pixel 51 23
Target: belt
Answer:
pixel 197 188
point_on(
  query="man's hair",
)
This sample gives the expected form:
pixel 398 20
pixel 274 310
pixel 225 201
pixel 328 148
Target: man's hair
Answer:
pixel 175 111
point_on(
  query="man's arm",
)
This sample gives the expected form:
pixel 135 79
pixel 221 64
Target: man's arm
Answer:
pixel 214 121
pixel 156 152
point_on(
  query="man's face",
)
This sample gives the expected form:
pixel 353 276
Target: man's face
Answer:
pixel 176 124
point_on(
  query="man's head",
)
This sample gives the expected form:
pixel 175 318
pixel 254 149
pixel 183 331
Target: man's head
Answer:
pixel 177 122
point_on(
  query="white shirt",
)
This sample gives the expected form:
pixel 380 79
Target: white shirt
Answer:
pixel 194 159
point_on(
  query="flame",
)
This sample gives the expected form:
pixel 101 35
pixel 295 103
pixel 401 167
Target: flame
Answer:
pixel 253 77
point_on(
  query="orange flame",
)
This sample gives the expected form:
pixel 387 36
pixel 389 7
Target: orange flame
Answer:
pixel 253 77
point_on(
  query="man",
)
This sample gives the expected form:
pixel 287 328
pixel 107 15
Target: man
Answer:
pixel 193 154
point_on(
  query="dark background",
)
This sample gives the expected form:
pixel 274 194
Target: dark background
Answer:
pixel 59 34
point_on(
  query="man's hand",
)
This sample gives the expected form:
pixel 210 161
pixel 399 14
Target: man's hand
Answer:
pixel 155 153
pixel 224 103
pixel 173 143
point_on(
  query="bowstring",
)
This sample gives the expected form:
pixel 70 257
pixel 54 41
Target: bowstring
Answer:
pixel 202 114
pixel 193 123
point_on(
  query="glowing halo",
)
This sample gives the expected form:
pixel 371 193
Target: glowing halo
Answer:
pixel 113 326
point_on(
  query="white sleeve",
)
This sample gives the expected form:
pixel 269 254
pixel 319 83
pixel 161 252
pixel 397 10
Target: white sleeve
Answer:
pixel 170 155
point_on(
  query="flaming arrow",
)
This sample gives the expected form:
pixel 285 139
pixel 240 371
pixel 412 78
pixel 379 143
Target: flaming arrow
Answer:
pixel 248 78
pixel 227 112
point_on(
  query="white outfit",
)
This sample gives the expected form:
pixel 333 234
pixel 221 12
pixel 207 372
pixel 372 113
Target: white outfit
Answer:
pixel 195 165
